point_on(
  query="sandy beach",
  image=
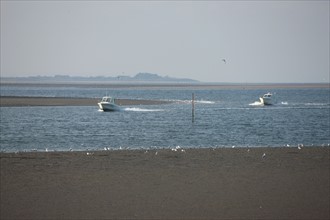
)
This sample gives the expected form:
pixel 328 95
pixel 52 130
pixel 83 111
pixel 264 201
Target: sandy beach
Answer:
pixel 19 101
pixel 240 183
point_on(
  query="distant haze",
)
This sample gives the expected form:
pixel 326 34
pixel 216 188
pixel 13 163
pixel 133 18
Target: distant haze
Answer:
pixel 209 41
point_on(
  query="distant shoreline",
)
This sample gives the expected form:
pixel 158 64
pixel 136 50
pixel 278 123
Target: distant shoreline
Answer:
pixel 163 85
pixel 21 101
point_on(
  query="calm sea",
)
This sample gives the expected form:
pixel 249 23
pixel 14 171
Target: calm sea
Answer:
pixel 223 118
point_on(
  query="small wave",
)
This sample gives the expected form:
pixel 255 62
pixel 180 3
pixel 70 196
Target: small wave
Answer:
pixel 256 103
pixel 316 104
pixel 142 110
pixel 284 103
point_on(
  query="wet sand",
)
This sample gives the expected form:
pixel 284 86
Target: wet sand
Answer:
pixel 239 183
pixel 19 101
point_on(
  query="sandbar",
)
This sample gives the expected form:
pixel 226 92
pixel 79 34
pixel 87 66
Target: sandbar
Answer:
pixel 21 101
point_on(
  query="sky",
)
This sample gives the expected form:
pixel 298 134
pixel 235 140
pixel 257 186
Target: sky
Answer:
pixel 261 41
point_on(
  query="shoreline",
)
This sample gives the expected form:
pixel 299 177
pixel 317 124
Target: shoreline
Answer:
pixel 98 152
pixel 222 183
pixel 22 101
pixel 162 85
pixel 296 148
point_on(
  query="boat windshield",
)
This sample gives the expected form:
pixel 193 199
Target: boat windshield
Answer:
pixel 107 99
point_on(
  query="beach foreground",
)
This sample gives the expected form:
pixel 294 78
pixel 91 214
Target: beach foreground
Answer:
pixel 240 183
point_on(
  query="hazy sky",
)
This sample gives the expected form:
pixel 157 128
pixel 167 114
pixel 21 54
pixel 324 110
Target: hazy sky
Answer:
pixel 262 41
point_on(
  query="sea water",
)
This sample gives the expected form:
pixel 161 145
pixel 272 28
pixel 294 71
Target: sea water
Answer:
pixel 223 118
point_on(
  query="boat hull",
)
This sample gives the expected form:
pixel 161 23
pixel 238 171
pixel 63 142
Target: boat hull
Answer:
pixel 266 101
pixel 108 107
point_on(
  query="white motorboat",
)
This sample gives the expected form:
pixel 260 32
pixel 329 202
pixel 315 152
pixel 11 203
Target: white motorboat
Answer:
pixel 108 104
pixel 267 99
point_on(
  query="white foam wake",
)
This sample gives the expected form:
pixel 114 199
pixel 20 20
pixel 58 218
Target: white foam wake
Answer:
pixel 196 101
pixel 256 103
pixel 204 102
pixel 142 110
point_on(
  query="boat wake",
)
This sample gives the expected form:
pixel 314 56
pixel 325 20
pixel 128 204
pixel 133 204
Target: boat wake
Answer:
pixel 196 101
pixel 142 110
pixel 256 103
pixel 205 102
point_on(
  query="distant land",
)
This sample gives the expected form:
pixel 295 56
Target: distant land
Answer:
pixel 146 79
pixel 140 77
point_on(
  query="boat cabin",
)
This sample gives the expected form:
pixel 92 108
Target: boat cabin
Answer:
pixel 268 95
pixel 108 99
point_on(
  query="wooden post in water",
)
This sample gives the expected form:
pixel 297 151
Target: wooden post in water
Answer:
pixel 193 108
